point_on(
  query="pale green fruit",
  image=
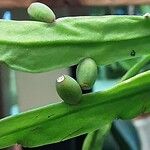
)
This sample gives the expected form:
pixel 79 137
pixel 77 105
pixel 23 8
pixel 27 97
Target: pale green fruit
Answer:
pixel 41 12
pixel 68 89
pixel 86 73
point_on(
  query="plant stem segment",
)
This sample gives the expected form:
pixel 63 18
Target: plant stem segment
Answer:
pixel 136 68
pixel 34 46
pixel 59 122
pixel 94 140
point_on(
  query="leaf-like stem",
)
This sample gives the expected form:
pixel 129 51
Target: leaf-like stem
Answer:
pixel 34 46
pixel 94 140
pixel 58 122
pixel 136 68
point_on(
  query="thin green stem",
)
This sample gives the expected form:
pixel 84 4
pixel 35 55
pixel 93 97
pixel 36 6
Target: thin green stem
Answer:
pixel 96 138
pixel 136 68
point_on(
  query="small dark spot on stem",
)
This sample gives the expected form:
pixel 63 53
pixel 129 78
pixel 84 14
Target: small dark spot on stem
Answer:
pixel 36 116
pixel 49 116
pixel 133 53
pixel 36 129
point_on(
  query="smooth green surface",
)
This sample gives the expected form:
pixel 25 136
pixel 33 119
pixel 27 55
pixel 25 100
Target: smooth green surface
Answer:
pixel 37 47
pixel 129 63
pixel 68 89
pixel 41 12
pixel 60 121
pixel 86 73
pixel 136 68
pixel 94 140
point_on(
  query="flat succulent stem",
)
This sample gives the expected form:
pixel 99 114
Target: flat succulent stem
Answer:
pixel 34 46
pixel 136 68
pixel 58 122
pixel 95 139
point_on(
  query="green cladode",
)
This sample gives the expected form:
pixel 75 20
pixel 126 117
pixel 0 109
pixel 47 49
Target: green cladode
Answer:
pixel 34 46
pixel 38 47
pixel 58 122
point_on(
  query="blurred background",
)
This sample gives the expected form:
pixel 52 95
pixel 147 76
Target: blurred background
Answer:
pixel 21 91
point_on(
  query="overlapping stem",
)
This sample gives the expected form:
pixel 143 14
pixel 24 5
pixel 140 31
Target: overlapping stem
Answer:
pixel 94 140
pixel 136 68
